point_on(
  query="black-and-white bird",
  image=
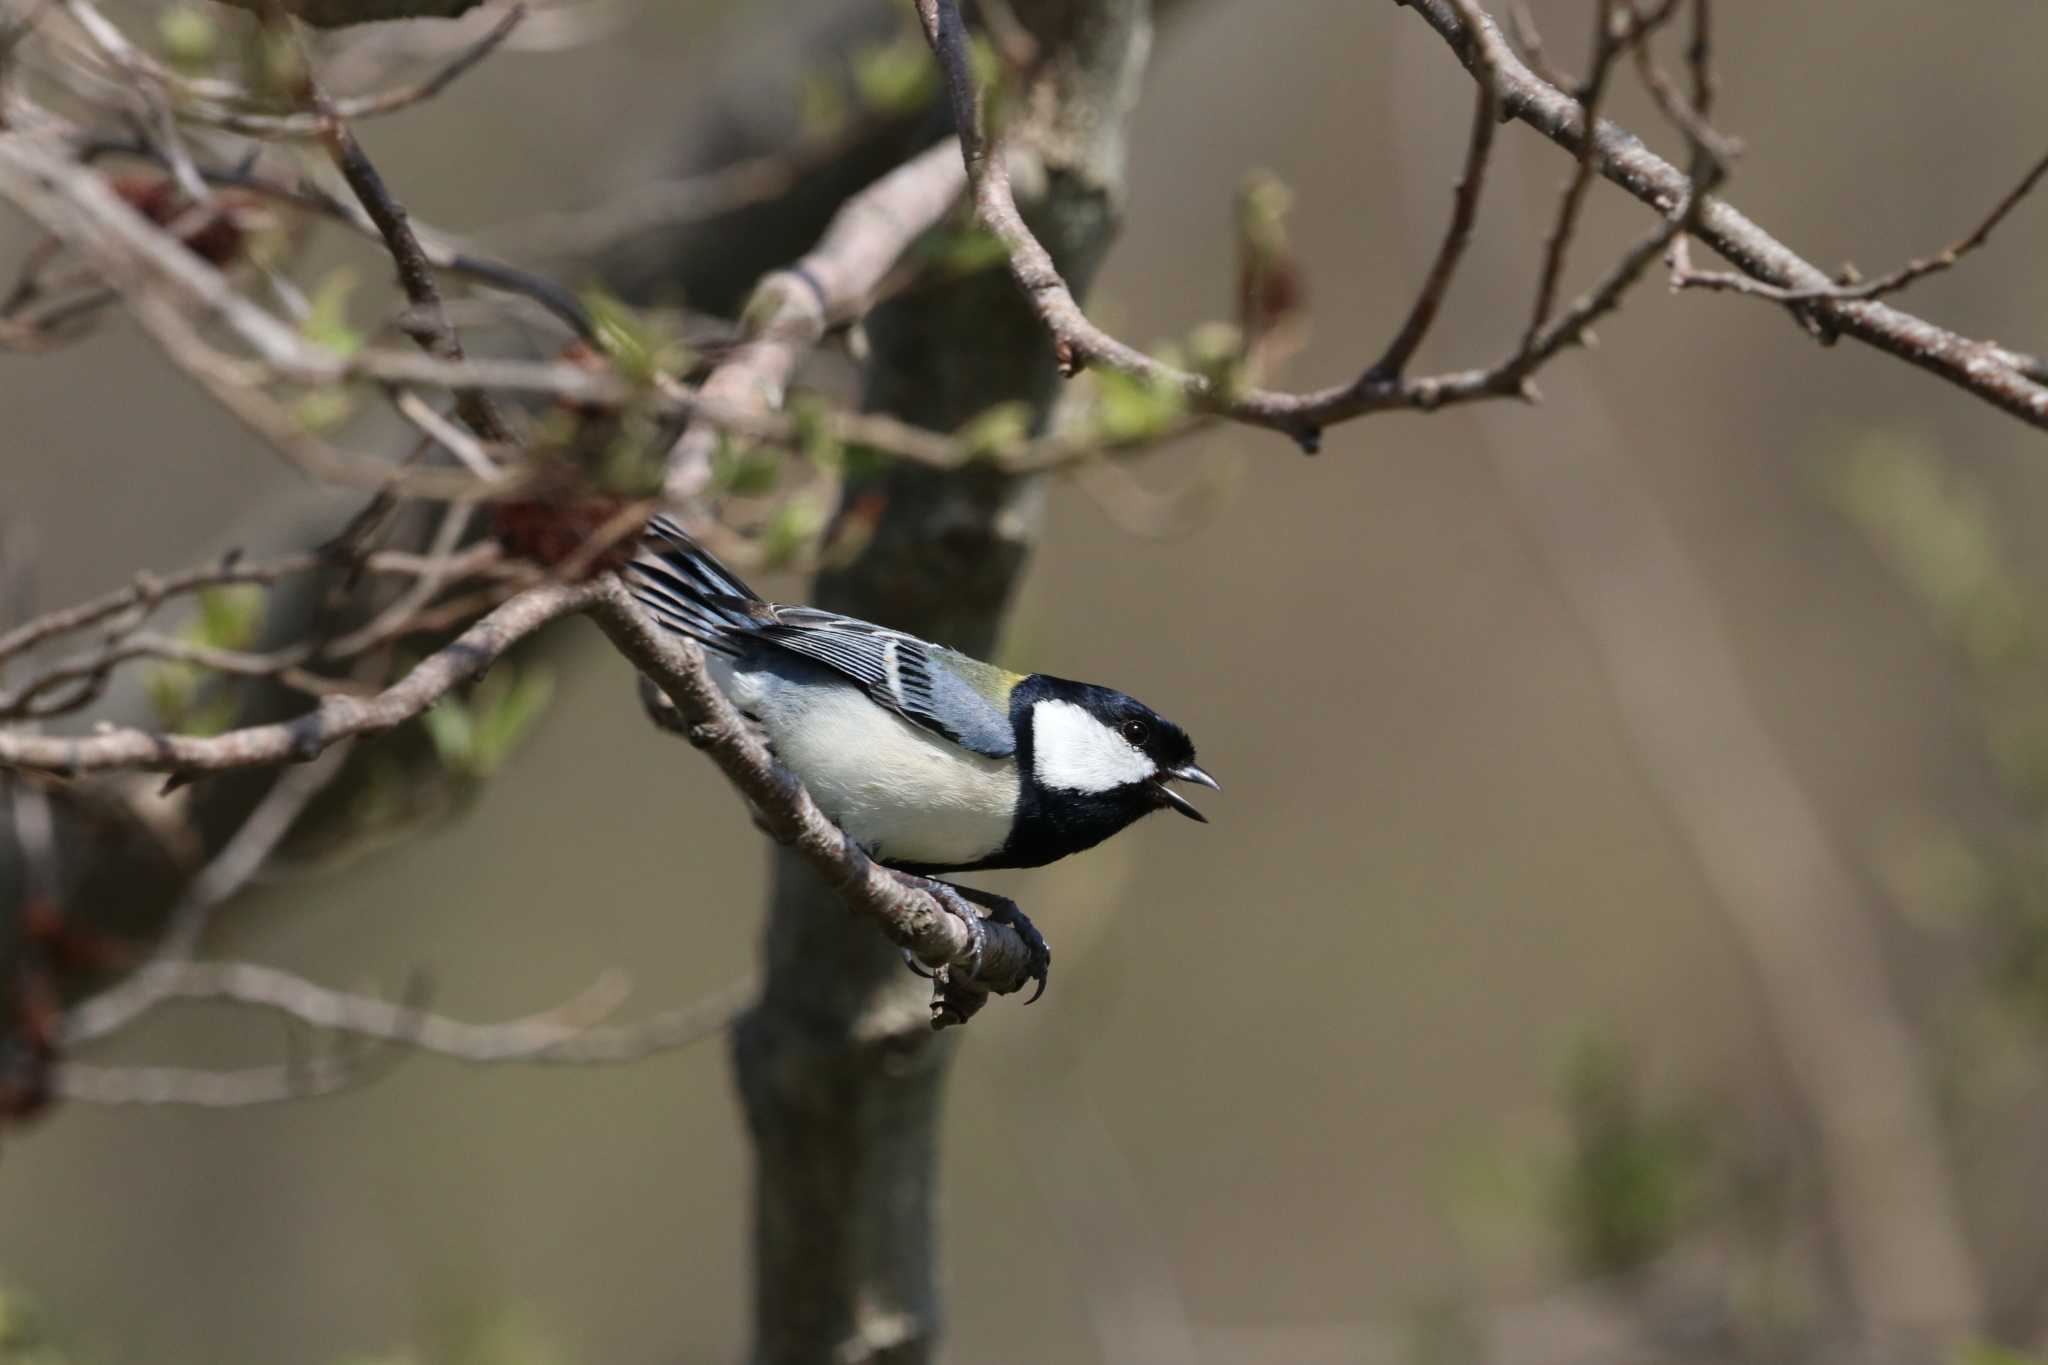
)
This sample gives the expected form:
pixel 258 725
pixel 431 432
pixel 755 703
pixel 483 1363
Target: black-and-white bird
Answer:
pixel 931 761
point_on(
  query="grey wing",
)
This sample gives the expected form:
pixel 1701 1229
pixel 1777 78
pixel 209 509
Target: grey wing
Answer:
pixel 907 675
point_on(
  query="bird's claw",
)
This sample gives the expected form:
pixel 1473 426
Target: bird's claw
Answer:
pixel 960 903
pixel 1034 943
pixel 959 908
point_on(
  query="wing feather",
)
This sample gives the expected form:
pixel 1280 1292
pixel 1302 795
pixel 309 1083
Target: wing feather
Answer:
pixel 690 592
pixel 916 679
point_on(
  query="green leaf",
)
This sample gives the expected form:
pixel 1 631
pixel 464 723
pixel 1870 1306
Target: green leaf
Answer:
pixel 814 440
pixel 996 430
pixel 505 713
pixel 641 346
pixel 1263 202
pixel 822 110
pixel 1129 409
pixel 895 78
pixel 961 251
pixel 863 464
pixel 792 531
pixel 24 1334
pixel 170 687
pixel 633 462
pixel 474 737
pixel 1991 1353
pixel 453 732
pixel 744 471
pixel 229 616
pixel 1634 1178
pixel 322 410
pixel 183 703
pixel 190 38
pixel 1216 352
pixel 326 321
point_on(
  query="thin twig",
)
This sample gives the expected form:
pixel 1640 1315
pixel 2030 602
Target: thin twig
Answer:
pixel 1987 371
pixel 426 321
pixel 149 591
pixel 538 1040
pixel 1079 342
pixel 1464 213
pixel 1523 23
pixel 1607 42
pixel 305 736
pixel 224 105
pixel 231 869
pixel 1916 269
pixel 440 248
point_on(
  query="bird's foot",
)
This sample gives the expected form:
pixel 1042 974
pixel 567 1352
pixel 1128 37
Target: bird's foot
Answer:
pixel 960 902
pixel 1003 910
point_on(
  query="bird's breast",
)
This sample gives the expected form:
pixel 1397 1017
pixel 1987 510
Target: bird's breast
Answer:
pixel 903 793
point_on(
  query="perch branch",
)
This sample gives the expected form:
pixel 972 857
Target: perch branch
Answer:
pixel 911 918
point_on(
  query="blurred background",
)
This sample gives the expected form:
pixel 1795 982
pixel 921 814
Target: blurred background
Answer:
pixel 1612 786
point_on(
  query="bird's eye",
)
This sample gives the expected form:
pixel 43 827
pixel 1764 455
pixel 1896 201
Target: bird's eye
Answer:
pixel 1136 731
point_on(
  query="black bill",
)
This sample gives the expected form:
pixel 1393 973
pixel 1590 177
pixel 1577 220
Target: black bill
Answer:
pixel 1189 773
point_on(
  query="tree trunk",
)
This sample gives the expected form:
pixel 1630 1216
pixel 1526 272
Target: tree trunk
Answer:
pixel 840 1072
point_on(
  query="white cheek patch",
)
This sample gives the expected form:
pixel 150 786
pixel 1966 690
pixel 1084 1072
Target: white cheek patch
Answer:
pixel 1075 752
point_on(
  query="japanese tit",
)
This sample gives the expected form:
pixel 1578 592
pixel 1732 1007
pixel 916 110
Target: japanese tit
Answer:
pixel 930 760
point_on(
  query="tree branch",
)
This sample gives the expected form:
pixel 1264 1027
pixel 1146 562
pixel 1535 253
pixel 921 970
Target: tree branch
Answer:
pixel 791 309
pixel 1912 271
pixel 1984 370
pixel 303 737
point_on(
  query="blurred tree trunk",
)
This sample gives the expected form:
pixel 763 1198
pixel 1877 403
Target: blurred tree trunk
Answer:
pixel 840 1072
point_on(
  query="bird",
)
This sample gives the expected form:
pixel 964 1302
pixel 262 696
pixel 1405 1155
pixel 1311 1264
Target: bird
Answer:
pixel 931 761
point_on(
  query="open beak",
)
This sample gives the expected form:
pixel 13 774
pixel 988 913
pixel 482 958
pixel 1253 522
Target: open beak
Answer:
pixel 1189 773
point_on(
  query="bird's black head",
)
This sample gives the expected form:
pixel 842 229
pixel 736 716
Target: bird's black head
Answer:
pixel 1092 760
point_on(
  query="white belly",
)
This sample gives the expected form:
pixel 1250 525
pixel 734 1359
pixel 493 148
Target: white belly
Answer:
pixel 903 793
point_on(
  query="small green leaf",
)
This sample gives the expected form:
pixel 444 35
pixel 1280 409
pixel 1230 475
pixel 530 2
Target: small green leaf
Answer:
pixel 229 616
pixel 822 110
pixel 792 531
pixel 190 38
pixel 326 321
pixel 170 687
pixel 984 62
pixel 322 410
pixel 24 1334
pixel 453 733
pixel 1634 1177
pixel 996 431
pixel 505 712
pixel 863 464
pixel 744 471
pixel 963 251
pixel 1129 409
pixel 1263 203
pixel 1991 1353
pixel 633 462
pixel 183 704
pixel 895 78
pixel 473 737
pixel 641 346
pixel 814 440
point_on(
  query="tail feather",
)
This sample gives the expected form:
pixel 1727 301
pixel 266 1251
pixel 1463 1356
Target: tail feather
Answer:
pixel 685 587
